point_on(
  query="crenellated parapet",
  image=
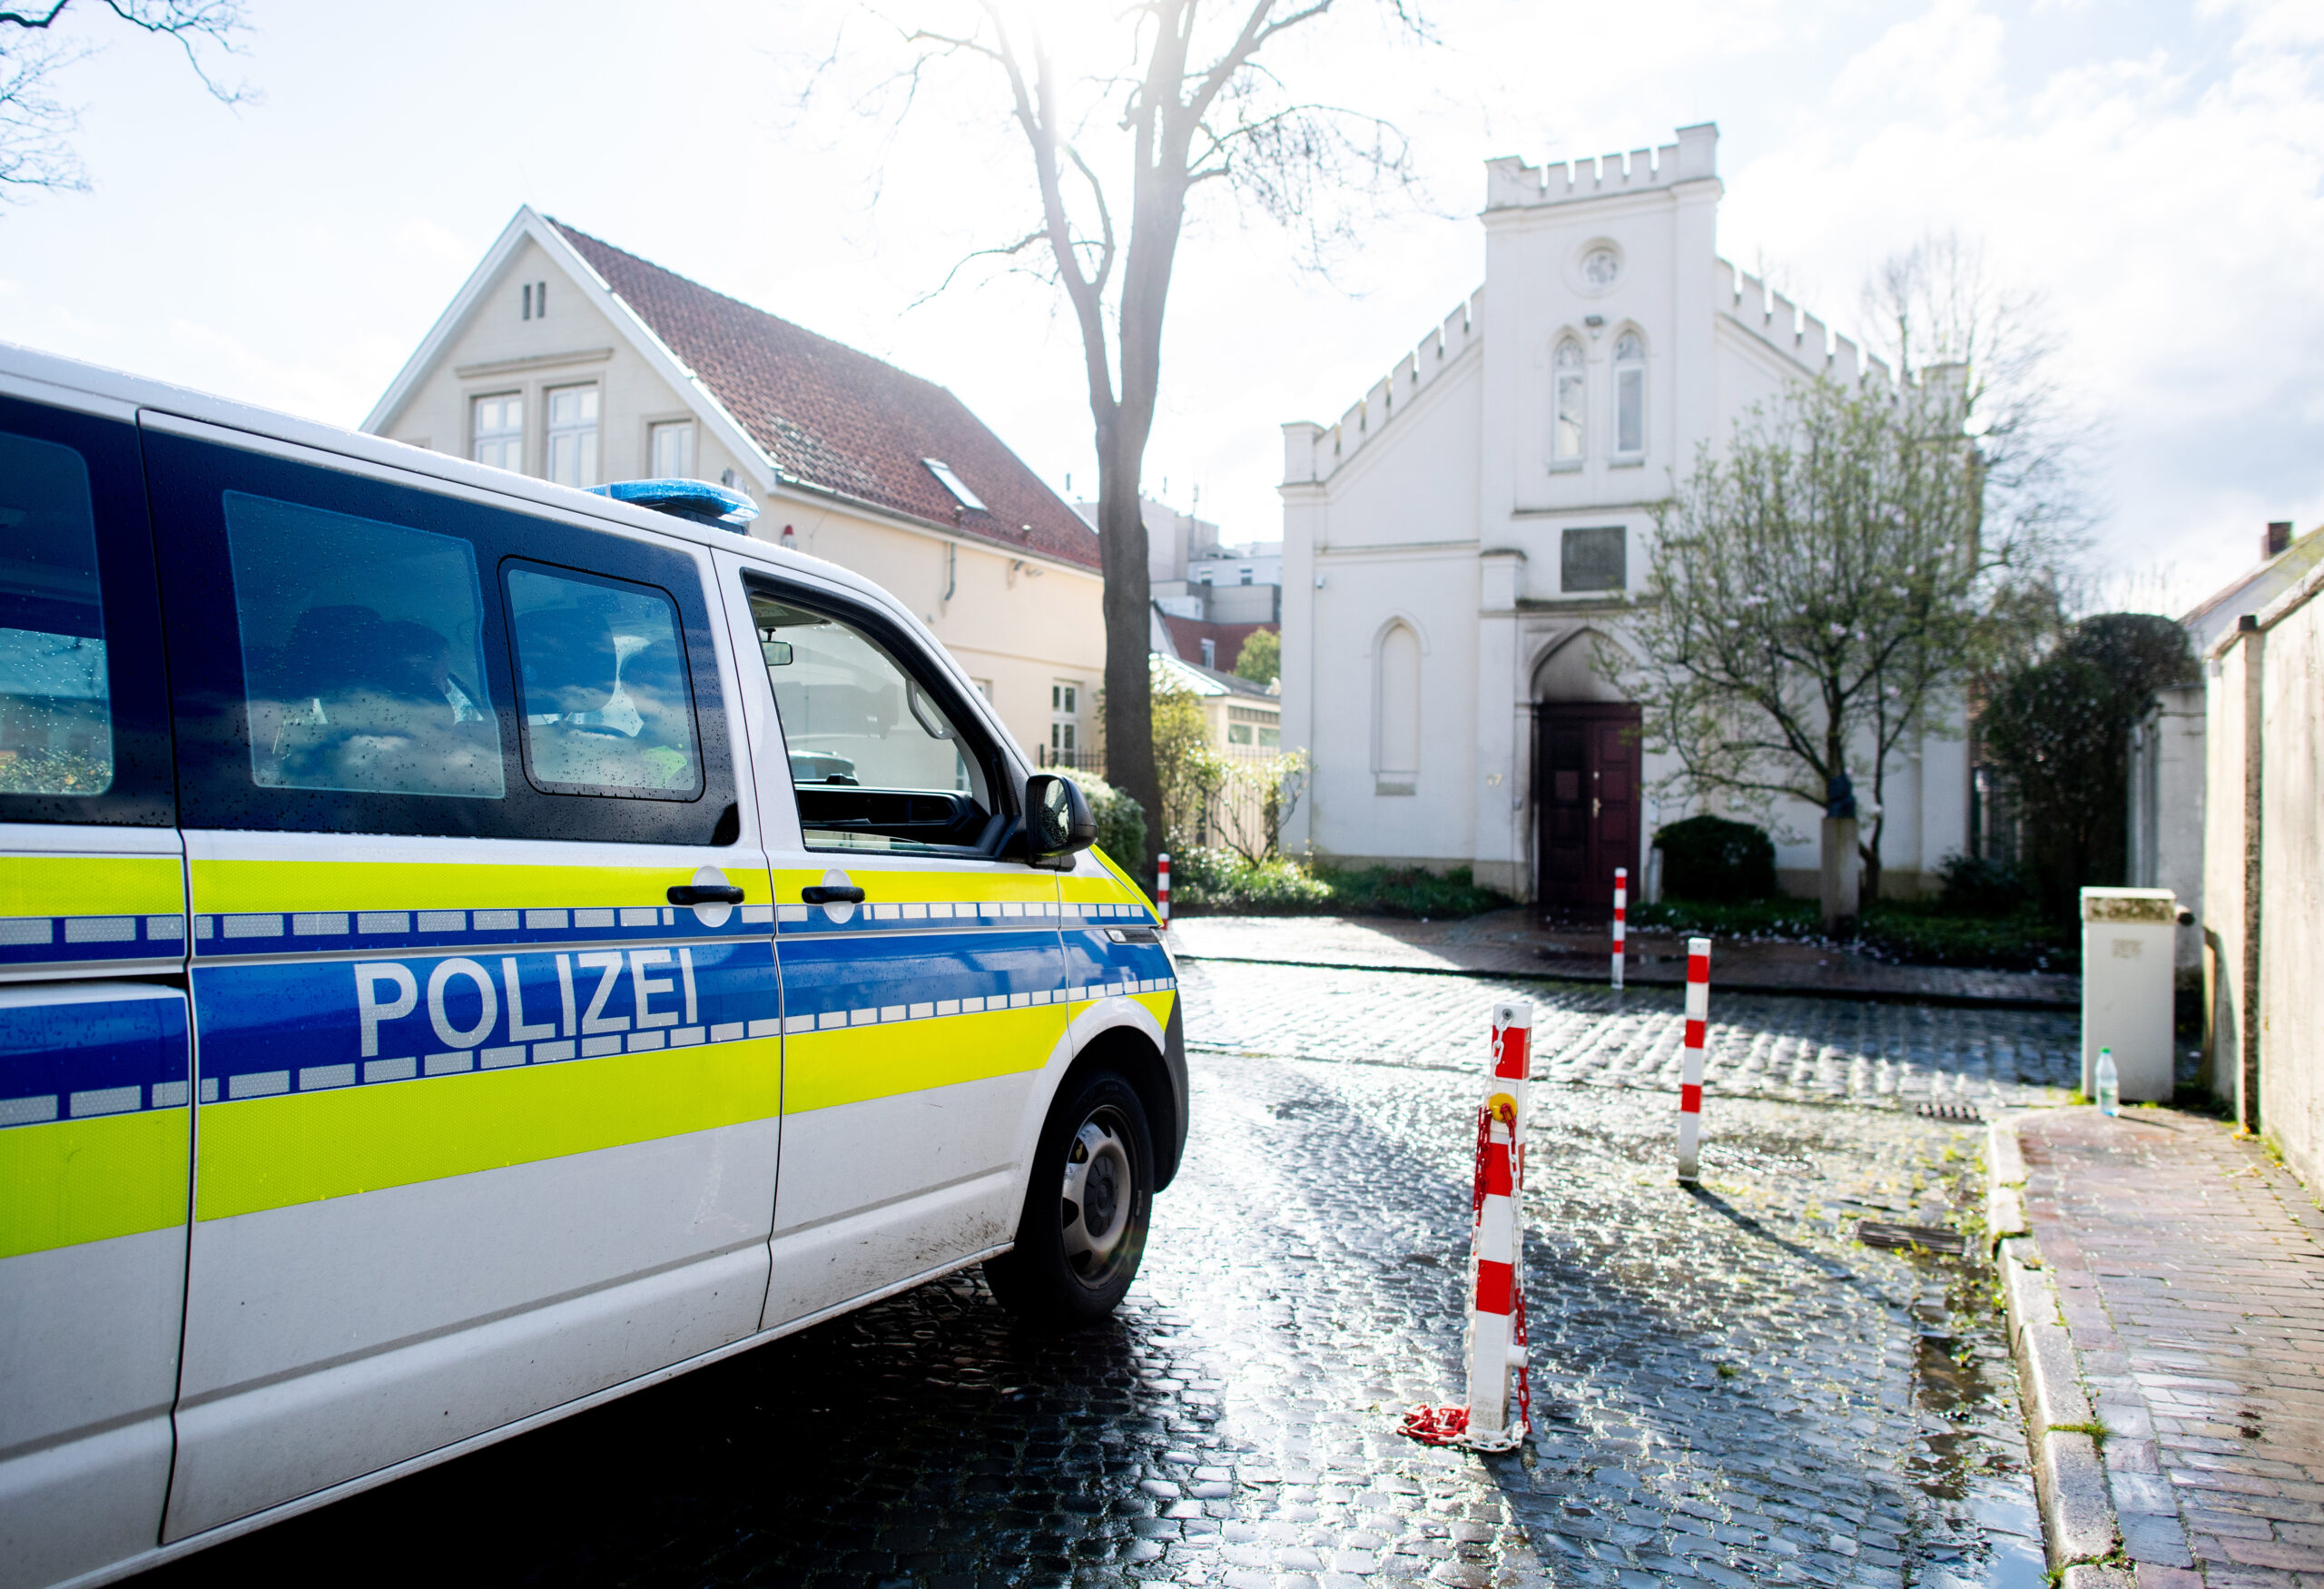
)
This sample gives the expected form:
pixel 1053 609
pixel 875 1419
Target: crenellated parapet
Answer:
pixel 1775 321
pixel 1312 452
pixel 1512 185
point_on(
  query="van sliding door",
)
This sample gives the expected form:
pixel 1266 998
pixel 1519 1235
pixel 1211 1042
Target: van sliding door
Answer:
pixel 487 1072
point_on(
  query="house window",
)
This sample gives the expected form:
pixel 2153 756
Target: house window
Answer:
pixel 1629 396
pixel 536 301
pixel 1064 723
pixel 1569 394
pixel 1247 576
pixel 1594 559
pixel 501 431
pixel 572 435
pixel 670 449
pixel 1210 654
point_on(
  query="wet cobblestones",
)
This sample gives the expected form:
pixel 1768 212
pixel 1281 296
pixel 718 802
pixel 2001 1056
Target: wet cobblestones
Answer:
pixel 1727 1389
pixel 1802 1050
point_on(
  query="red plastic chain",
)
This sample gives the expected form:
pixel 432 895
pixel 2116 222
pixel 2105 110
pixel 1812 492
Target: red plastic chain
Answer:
pixel 1437 1425
pixel 1524 1373
pixel 1484 1139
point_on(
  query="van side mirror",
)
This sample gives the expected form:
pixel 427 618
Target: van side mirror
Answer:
pixel 1058 817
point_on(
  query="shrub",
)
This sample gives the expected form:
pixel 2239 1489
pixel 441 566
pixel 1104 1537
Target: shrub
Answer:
pixel 1221 882
pixel 1121 823
pixel 1410 891
pixel 1711 859
pixel 1981 888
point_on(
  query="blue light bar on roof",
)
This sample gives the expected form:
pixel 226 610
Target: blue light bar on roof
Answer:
pixel 698 500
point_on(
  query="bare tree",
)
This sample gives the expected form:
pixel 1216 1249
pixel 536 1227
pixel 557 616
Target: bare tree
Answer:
pixel 36 127
pixel 1115 158
pixel 1812 592
pixel 1936 304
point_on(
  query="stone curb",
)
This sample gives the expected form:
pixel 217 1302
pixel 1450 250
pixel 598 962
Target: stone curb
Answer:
pixel 2078 1528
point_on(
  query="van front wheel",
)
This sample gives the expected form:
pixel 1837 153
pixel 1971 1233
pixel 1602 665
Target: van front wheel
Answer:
pixel 1083 1230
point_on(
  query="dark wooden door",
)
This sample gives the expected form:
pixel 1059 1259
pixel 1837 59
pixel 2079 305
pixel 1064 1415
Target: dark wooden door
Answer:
pixel 1585 800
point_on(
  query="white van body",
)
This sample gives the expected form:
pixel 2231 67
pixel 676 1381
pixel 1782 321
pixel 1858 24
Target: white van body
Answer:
pixel 363 1096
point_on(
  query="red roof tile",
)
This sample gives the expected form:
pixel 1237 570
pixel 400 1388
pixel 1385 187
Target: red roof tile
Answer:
pixel 843 420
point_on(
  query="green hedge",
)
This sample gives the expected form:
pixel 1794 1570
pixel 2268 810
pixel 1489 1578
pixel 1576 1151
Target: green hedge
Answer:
pixel 1903 933
pixel 1221 883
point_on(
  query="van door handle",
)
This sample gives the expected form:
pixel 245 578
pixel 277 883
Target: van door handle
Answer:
pixel 825 895
pixel 705 894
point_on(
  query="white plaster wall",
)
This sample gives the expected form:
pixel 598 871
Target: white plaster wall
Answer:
pixel 2291 926
pixel 1438 496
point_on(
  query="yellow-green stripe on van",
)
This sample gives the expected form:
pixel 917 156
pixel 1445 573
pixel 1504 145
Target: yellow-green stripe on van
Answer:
pixel 91 885
pixel 271 1152
pixel 71 1181
pixel 854 1063
pixel 227 887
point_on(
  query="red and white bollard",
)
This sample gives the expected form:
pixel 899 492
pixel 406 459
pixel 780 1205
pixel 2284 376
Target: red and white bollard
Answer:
pixel 1162 890
pixel 1690 1066
pixel 1496 1334
pixel 1621 918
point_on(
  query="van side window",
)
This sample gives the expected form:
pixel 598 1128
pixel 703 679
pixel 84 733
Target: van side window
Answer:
pixel 876 760
pixel 362 656
pixel 601 679
pixel 56 720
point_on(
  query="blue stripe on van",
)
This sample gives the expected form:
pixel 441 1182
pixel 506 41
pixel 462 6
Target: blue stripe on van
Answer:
pixel 90 1057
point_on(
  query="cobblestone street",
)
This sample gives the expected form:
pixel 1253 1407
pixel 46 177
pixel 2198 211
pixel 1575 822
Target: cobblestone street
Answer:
pixel 1727 1389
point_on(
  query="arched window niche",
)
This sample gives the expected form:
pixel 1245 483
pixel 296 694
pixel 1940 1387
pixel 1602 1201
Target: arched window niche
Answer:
pixel 1629 396
pixel 1395 710
pixel 1569 404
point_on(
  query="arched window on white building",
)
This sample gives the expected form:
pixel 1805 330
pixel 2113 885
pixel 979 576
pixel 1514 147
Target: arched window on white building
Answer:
pixel 1395 711
pixel 1630 397
pixel 1570 401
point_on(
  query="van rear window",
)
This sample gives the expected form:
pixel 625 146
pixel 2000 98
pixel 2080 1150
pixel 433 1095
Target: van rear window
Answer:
pixel 362 653
pixel 56 721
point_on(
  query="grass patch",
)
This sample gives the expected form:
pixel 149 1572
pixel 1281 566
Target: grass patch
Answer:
pixel 1221 883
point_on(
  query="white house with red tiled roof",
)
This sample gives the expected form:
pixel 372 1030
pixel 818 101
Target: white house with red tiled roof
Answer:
pixel 564 358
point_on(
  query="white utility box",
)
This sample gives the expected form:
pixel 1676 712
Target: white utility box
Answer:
pixel 2127 983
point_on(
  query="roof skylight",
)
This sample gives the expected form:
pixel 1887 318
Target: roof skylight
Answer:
pixel 953 483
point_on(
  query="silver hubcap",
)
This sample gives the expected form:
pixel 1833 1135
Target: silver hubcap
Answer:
pixel 1098 1191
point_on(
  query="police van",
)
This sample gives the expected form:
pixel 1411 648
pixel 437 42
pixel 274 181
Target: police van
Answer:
pixel 471 948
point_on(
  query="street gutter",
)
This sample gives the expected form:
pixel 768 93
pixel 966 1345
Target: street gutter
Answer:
pixel 2080 1533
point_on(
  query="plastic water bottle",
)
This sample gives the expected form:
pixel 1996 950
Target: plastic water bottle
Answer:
pixel 2110 1085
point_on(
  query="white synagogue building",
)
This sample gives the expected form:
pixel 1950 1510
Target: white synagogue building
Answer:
pixel 1455 545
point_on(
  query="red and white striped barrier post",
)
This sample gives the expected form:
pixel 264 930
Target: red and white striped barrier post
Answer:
pixel 1496 1333
pixel 1690 1066
pixel 1621 918
pixel 1162 890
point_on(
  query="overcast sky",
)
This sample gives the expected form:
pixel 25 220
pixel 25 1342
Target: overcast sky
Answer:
pixel 2156 170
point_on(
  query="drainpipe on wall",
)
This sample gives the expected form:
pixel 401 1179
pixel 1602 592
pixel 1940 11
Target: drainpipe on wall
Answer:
pixel 2254 641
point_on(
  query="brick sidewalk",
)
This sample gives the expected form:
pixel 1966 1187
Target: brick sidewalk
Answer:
pixel 2190 1267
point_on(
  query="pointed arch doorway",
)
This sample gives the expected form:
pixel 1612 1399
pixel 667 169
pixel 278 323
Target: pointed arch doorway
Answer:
pixel 1587 765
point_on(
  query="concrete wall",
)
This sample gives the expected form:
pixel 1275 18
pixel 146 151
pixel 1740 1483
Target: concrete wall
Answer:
pixel 2264 874
pixel 1020 623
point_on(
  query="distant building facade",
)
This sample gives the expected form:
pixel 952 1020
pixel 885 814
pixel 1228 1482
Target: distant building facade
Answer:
pixel 1208 597
pixel 1460 544
pixel 565 358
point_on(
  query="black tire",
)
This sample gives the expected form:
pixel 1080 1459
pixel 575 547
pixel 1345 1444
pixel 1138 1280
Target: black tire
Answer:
pixel 1083 1230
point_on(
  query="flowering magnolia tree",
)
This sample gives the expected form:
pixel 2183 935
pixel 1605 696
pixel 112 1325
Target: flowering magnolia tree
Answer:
pixel 1814 593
